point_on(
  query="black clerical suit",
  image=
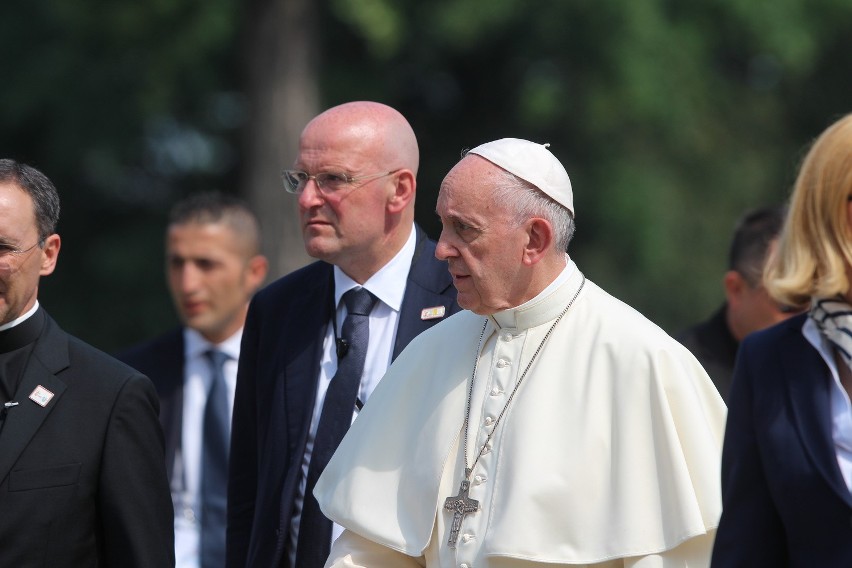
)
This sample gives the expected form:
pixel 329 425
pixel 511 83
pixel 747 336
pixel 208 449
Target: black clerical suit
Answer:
pixel 276 392
pixel 162 359
pixel 82 480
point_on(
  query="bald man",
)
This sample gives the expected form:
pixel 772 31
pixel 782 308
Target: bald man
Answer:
pixel 547 425
pixel 317 341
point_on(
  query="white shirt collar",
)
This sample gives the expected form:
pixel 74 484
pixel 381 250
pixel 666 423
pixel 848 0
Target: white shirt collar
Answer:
pixel 195 345
pixel 21 319
pixel 384 284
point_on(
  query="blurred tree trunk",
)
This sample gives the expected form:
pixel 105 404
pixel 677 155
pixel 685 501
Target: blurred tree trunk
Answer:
pixel 281 87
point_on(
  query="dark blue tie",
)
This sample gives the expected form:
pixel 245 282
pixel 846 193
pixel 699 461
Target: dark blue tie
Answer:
pixel 214 465
pixel 314 529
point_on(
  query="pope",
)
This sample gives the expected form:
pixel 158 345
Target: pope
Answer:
pixel 546 424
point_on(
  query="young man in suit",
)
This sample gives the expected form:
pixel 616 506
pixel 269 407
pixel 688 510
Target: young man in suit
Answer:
pixel 748 307
pixel 311 352
pixel 213 266
pixel 82 481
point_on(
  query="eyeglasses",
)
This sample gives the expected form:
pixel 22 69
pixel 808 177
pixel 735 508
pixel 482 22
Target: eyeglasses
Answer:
pixel 327 182
pixel 10 256
pixel 9 250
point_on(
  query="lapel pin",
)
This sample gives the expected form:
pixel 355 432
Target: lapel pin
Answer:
pixel 41 396
pixel 433 313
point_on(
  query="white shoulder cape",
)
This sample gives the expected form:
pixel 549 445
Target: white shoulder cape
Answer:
pixel 611 447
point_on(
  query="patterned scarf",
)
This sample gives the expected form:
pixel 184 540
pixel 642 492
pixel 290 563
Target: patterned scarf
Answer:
pixel 833 317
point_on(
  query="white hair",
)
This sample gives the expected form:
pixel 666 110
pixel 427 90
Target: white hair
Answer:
pixel 526 201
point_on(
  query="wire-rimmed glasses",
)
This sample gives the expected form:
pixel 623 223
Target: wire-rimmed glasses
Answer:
pixel 9 254
pixel 328 183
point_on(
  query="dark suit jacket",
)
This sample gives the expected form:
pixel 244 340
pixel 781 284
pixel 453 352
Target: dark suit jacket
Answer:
pixel 82 481
pixel 715 348
pixel 276 391
pixel 162 359
pixel 785 503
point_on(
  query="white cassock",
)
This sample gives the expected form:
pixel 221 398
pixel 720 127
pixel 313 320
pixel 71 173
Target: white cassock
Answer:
pixel 608 455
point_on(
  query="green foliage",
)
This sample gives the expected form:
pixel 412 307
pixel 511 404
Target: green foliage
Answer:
pixel 88 88
pixel 378 20
pixel 672 118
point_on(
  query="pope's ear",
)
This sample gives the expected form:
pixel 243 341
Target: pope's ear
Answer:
pixel 539 234
pixel 403 192
pixel 49 254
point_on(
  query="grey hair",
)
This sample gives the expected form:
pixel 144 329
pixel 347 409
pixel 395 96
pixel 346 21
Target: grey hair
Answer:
pixel 40 189
pixel 526 201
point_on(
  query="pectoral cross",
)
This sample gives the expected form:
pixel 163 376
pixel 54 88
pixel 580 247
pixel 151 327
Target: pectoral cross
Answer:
pixel 460 505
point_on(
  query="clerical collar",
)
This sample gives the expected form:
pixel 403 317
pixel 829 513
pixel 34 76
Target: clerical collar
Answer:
pixel 24 330
pixel 20 319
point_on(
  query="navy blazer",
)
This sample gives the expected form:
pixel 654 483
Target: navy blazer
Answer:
pixel 82 481
pixel 162 360
pixel 276 392
pixel 785 503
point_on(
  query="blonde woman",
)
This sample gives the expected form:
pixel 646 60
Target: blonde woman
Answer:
pixel 787 458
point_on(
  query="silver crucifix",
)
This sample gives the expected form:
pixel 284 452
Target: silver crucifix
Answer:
pixel 460 505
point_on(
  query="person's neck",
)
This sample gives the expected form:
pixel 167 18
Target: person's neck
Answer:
pixel 360 268
pixel 541 275
pixel 737 331
pixel 549 269
pixel 220 336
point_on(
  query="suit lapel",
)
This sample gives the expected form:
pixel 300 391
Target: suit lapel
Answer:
pixel 171 397
pixel 304 337
pixel 809 383
pixel 428 281
pixel 49 356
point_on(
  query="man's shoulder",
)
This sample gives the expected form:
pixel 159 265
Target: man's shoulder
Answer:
pixel 773 339
pixel 144 351
pixel 302 279
pixel 67 355
pixel 711 339
pixel 160 359
pixel 620 318
pixel 84 353
pixel 690 337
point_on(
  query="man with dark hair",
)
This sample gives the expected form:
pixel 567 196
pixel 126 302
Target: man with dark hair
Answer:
pixel 213 266
pixel 82 480
pixel 748 307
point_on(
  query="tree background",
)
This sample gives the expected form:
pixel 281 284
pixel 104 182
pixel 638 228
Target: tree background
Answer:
pixel 672 119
